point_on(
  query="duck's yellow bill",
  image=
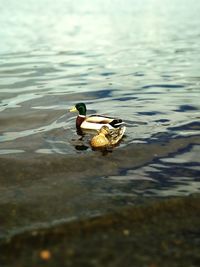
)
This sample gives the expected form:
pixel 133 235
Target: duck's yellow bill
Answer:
pixel 73 109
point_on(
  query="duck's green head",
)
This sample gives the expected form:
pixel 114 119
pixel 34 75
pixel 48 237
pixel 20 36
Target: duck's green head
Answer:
pixel 80 107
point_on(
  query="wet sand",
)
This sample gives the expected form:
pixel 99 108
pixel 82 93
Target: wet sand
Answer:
pixel 162 233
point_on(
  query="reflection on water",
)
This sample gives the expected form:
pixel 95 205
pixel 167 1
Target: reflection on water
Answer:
pixel 144 70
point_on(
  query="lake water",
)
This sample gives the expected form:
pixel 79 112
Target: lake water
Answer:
pixel 137 60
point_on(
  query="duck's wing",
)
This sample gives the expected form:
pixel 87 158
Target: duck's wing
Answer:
pixel 100 119
pixel 115 135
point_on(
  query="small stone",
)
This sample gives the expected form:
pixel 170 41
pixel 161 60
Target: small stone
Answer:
pixel 70 252
pixel 45 254
pixel 126 232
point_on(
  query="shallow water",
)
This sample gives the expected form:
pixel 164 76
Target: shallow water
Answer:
pixel 136 61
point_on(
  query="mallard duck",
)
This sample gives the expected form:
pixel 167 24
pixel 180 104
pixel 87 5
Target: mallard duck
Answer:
pixel 107 137
pixel 93 122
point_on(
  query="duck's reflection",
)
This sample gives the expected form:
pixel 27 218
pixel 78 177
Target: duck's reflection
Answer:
pixel 81 147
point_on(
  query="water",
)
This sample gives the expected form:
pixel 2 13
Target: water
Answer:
pixel 137 60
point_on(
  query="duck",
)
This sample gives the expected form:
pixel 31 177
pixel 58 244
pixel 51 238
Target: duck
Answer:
pixel 93 122
pixel 107 137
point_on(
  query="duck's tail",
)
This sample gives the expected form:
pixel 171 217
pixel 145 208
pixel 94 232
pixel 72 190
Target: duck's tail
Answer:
pixel 116 135
pixel 116 123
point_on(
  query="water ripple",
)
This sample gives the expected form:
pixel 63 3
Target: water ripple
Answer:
pixel 70 53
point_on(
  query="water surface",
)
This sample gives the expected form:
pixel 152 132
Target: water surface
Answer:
pixel 139 61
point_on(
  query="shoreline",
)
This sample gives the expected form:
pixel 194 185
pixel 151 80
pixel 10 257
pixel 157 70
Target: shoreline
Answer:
pixel 162 233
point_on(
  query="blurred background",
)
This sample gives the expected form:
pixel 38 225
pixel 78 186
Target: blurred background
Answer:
pixel 136 59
